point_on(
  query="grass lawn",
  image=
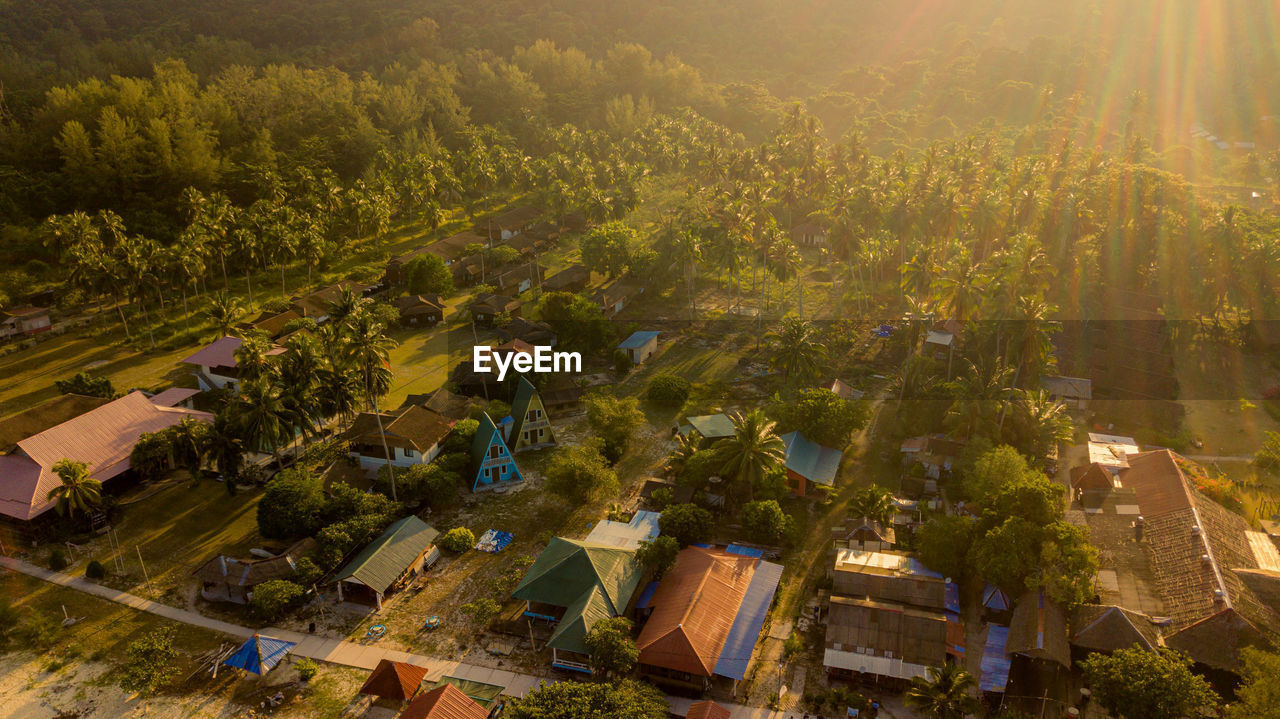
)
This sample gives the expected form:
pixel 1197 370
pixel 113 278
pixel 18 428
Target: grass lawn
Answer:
pixel 1214 378
pixel 177 529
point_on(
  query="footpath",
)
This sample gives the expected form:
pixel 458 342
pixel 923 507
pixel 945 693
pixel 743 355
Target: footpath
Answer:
pixel 340 651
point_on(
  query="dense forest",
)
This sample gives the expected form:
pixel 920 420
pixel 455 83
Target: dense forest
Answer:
pixel 950 145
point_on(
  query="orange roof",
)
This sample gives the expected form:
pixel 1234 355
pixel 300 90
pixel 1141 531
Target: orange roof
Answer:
pixel 707 710
pixel 444 702
pixel 1094 477
pixel 694 608
pixel 103 438
pixel 1158 482
pixel 394 680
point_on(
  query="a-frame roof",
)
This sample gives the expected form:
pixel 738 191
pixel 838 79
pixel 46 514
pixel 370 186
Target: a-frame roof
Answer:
pixel 484 437
pixel 394 680
pixel 526 395
pixel 1109 629
pixel 569 568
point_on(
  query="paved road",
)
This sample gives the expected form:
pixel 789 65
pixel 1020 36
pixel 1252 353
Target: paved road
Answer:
pixel 338 651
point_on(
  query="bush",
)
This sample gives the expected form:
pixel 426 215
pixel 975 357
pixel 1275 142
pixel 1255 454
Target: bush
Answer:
pixel 95 570
pixel 579 472
pixel 292 506
pixel 459 440
pixel 428 275
pixel 686 523
pixel 662 498
pixel 458 539
pixel 621 362
pixel 668 388
pixel 765 522
pixel 86 384
pixel 482 611
pixel 58 559
pixel 274 597
pixel 150 661
pixel 306 668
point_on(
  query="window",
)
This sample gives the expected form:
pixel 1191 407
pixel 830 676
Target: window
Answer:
pixel 408 452
pixel 526 435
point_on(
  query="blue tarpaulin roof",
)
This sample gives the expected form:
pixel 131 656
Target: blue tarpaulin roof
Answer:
pixel 745 631
pixel 953 597
pixel 995 598
pixel 995 665
pixel 259 654
pixel 637 340
pixel 744 551
pixel 647 595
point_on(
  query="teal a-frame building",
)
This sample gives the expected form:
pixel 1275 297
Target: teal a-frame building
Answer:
pixel 491 459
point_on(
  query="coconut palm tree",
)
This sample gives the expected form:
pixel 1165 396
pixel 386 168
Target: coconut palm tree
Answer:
pixel 224 310
pixel 263 417
pixel 796 349
pixel 79 493
pixel 189 440
pixel 1040 422
pixel 686 446
pixel 368 350
pixel 875 503
pixel 753 450
pixel 977 395
pixel 226 449
pixel 945 694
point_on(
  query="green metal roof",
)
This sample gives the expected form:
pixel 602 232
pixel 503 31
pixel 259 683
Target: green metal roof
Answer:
pixel 811 460
pixel 484 433
pixel 712 426
pixel 571 633
pixel 568 569
pixel 380 564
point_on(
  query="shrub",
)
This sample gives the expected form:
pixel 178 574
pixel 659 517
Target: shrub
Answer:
pixel 668 388
pixel 458 539
pixel 274 597
pixel 86 384
pixel 621 362
pixel 662 498
pixel 58 559
pixel 579 473
pixel 765 522
pixel 686 523
pixel 95 570
pixel 307 668
pixel 292 506
pixel 150 661
pixel 482 611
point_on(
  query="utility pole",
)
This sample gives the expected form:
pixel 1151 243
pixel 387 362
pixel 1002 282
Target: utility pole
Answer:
pixel 145 576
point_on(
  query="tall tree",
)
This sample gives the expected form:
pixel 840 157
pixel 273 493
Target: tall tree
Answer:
pixel 944 694
pixel 79 493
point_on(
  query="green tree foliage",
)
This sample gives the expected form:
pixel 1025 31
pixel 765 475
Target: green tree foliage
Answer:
pixel 607 249
pixel 150 454
pixel 822 416
pixel 659 555
pixel 614 420
pixel 86 384
pixel 943 544
pixel 668 388
pixel 428 275
pixel 627 699
pixel 875 503
pixel 78 493
pixel 458 540
pixel 1133 683
pixel 686 523
pixel 797 352
pixel 1008 555
pixel 430 484
pixel 995 470
pixel 272 598
pixel 292 506
pixel 765 522
pixel 1268 455
pixel 1258 696
pixel 753 451
pixel 482 611
pixel 579 473
pixel 612 650
pixel 579 322
pixel 94 570
pixel 460 437
pixel 149 661
pixel 944 693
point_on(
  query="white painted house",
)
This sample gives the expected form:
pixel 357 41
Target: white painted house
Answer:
pixel 413 436
pixel 216 364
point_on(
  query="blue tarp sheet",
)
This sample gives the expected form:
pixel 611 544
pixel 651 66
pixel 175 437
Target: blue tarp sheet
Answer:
pixel 953 597
pixel 744 551
pixel 995 665
pixel 494 541
pixel 745 631
pixel 995 599
pixel 259 654
pixel 647 595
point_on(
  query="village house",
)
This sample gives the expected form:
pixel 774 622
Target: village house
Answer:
pixel 24 322
pixel 316 305
pixel 229 579
pixel 530 428
pixel 486 308
pixel 528 331
pixel 271 324
pixel 572 585
pixel 642 527
pixel 615 296
pixel 1074 392
pixel 809 234
pixel 935 454
pixel 451 406
pixel 710 427
pixel 573 278
pixel 99 432
pixel 399 554
pixel 420 310
pixel 842 390
pixel 706 709
pixel 705 616
pixel 216 363
pixel 412 434
pixel 512 222
pixel 863 534
pixel 175 397
pixel 809 464
pixel 394 683
pixel 517 278
pixel 640 346
pixel 491 460
pixel 444 702
pixel 450 249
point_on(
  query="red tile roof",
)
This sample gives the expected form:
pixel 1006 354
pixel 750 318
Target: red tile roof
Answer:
pixel 102 437
pixel 444 702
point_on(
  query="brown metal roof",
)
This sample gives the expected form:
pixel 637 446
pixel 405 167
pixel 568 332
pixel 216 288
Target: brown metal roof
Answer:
pixel 222 353
pixel 410 427
pixel 1038 629
pixel 707 710
pixel 1103 628
pixel 1158 482
pixel 887 629
pixel 694 608
pixel 396 680
pixel 103 438
pixel 444 702
pixel 252 572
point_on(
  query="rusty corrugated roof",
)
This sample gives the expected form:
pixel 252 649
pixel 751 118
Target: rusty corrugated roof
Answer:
pixel 394 680
pixel 444 702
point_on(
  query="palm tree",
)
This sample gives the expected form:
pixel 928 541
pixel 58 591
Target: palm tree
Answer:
pixel 224 310
pixel 944 694
pixel 226 449
pixel 977 394
pixel 263 417
pixel 190 442
pixel 796 349
pixel 686 446
pixel 752 451
pixel 1042 421
pixel 368 350
pixel 79 493
pixel 875 503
